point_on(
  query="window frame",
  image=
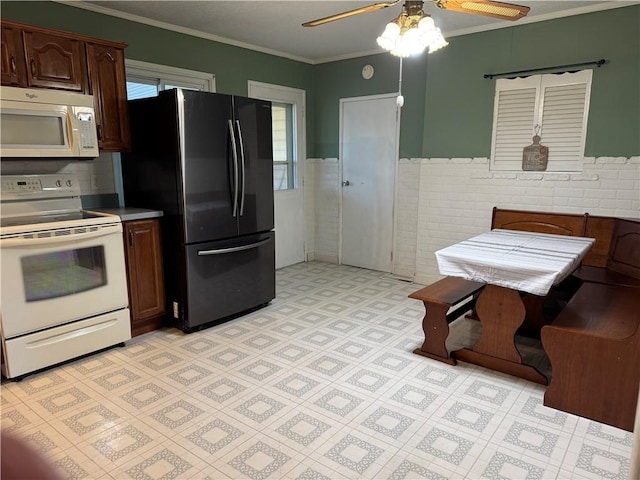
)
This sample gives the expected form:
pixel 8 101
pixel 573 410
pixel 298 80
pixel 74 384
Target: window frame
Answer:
pixel 165 74
pixel 522 110
pixel 154 73
pixel 290 162
pixel 297 98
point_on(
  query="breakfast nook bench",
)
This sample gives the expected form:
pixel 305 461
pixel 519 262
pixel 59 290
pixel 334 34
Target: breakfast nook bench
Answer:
pixel 594 349
pixel 438 298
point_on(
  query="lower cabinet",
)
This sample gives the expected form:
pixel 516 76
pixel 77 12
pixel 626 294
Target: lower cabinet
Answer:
pixel 145 275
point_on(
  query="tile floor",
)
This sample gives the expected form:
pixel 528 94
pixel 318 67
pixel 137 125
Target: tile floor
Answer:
pixel 321 384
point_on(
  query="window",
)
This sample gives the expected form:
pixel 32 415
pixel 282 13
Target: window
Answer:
pixel 283 164
pixel 287 113
pixel 555 106
pixel 147 79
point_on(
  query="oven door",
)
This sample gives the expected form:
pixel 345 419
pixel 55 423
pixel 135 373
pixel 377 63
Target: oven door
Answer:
pixel 60 276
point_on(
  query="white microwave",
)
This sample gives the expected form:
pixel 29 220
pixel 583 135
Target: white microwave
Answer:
pixel 47 123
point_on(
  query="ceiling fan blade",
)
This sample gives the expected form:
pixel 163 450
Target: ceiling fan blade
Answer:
pixel 350 13
pixel 502 10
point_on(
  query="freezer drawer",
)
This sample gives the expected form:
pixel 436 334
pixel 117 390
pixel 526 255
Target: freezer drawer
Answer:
pixel 29 353
pixel 228 277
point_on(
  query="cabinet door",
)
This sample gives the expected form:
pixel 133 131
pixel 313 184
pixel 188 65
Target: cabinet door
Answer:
pixel 144 268
pixel 109 87
pixel 54 61
pixel 13 69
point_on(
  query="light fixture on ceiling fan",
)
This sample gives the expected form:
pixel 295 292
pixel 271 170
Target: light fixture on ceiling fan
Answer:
pixel 413 30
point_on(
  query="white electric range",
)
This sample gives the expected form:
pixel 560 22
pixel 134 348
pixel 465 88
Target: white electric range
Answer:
pixel 64 284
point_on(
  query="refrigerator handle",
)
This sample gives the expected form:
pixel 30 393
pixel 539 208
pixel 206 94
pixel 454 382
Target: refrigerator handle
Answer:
pixel 242 170
pixel 235 168
pixel 219 251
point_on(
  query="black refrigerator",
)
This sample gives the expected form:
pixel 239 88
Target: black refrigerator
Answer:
pixel 206 160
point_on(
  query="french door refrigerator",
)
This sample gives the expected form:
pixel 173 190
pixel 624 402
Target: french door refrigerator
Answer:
pixel 206 161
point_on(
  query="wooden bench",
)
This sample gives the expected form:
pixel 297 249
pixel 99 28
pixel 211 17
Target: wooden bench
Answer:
pixel 615 257
pixel 594 349
pixel 438 298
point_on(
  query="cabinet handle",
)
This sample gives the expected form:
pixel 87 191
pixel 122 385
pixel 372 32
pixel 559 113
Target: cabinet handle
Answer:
pixel 131 239
pixel 100 132
pixel 110 57
pixel 13 64
pixel 33 67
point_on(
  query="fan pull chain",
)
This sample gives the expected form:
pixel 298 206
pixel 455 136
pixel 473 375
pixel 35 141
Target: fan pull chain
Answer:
pixel 400 98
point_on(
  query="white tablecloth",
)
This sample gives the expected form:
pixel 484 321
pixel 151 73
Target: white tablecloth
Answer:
pixel 526 261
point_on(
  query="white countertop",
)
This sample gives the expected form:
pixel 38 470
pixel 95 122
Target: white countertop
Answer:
pixel 128 214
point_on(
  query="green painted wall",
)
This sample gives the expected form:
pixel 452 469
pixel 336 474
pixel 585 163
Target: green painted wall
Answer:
pixel 343 79
pixel 457 116
pixel 448 104
pixel 459 104
pixel 232 66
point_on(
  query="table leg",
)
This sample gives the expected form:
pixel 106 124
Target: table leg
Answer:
pixel 501 312
pixel 534 320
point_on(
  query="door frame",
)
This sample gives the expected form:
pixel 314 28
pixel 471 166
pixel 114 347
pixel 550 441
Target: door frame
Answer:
pixel 298 97
pixel 343 101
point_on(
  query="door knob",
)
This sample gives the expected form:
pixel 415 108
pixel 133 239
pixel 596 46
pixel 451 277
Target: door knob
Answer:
pixel 346 183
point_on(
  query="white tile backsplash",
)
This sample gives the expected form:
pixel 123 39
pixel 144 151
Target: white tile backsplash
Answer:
pixel 100 169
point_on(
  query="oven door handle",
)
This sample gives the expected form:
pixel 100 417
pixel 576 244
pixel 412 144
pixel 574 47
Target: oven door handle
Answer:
pixel 37 242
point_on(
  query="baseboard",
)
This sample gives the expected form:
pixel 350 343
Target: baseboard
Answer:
pixel 403 273
pixel 425 279
pixel 325 257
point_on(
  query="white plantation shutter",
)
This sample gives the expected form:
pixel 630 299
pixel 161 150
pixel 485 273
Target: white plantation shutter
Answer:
pixel 558 104
pixel 563 125
pixel 514 124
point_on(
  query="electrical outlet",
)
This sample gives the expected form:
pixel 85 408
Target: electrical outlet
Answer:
pixel 94 182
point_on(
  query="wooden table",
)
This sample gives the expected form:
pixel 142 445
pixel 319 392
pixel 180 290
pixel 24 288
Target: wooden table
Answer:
pixel 509 262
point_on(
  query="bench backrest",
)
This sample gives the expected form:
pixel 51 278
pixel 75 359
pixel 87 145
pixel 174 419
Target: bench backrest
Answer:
pixel 624 254
pixel 541 222
pixel 600 228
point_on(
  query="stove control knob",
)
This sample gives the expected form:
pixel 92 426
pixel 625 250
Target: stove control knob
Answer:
pixel 69 183
pixel 58 183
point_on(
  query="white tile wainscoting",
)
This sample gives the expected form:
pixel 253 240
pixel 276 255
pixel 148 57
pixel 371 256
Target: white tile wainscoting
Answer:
pixel 441 201
pixel 321 384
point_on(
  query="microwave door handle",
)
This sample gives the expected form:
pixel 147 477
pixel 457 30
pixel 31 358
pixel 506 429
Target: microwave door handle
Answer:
pixel 37 242
pixel 69 136
pixel 242 164
pixel 235 168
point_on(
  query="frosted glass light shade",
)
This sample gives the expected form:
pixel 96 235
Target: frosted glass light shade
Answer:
pixel 407 36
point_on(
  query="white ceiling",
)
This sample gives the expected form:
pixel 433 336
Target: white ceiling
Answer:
pixel 275 26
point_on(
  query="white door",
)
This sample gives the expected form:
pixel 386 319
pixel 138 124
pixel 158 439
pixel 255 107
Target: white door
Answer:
pixel 369 133
pixel 289 155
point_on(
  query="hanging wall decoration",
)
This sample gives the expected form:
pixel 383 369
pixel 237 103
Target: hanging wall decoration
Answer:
pixel 535 156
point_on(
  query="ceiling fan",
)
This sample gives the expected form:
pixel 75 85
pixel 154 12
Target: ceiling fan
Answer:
pixel 487 8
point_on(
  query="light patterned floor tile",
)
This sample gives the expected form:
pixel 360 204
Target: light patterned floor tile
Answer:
pixel 260 408
pixel 321 384
pixel 304 429
pixel 165 460
pixel 91 420
pixel 259 458
pixel 19 418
